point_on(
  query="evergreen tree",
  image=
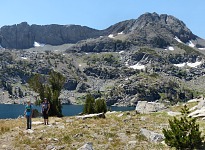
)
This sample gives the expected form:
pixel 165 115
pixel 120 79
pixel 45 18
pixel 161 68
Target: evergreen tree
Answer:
pixel 100 106
pixel 50 90
pixel 89 107
pixel 184 132
pixel 56 81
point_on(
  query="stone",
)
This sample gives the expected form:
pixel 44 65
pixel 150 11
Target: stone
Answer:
pixel 30 131
pixel 69 120
pixel 50 147
pixel 198 113
pixel 171 113
pixel 120 115
pixel 132 142
pixel 87 146
pixel 152 136
pixel 37 122
pixel 4 146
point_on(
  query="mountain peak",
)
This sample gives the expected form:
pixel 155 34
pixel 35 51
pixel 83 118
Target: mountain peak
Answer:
pixel 148 27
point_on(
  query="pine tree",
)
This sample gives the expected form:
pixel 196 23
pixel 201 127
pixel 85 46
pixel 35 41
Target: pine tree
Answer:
pixel 89 107
pixel 50 90
pixel 184 132
pixel 100 106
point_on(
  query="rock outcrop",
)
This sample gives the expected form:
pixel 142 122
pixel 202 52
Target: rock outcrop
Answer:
pixel 148 107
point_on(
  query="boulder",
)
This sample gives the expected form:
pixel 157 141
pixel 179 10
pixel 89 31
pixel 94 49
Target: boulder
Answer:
pixel 152 136
pixel 172 113
pixel 199 110
pixel 148 107
pixel 198 113
pixel 87 146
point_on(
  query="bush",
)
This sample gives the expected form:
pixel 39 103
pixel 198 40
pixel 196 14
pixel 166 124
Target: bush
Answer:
pixel 184 132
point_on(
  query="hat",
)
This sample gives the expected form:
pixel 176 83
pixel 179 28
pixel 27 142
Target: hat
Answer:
pixel 45 98
pixel 28 101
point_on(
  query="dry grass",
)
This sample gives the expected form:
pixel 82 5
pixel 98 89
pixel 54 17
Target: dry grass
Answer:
pixel 114 132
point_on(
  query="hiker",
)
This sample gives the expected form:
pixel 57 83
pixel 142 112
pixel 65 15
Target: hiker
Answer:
pixel 45 110
pixel 28 113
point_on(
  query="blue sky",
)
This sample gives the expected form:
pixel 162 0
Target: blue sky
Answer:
pixel 100 14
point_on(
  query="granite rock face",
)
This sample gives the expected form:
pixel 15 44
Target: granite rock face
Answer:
pixel 23 35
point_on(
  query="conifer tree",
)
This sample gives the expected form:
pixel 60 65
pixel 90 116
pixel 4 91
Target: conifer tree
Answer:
pixel 100 106
pixel 50 90
pixel 94 106
pixel 184 132
pixel 89 106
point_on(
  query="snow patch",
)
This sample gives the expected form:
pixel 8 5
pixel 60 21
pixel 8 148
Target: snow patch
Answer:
pixel 197 63
pixel 25 58
pixel 36 44
pixel 170 48
pixel 79 65
pixel 111 36
pixel 178 40
pixel 120 33
pixel 201 48
pixel 121 52
pixel 137 66
pixel 191 44
pixel 180 65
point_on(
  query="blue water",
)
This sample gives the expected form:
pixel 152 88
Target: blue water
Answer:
pixel 14 110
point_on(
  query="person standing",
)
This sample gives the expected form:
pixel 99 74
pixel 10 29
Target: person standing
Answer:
pixel 45 110
pixel 28 113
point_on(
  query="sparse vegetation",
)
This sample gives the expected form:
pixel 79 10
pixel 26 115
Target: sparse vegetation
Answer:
pixel 189 50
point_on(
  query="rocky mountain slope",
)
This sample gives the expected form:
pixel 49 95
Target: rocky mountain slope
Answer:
pixel 154 57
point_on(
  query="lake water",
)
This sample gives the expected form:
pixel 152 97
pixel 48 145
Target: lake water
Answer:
pixel 14 110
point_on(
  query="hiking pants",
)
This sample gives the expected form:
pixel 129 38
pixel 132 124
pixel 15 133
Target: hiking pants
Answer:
pixel 28 119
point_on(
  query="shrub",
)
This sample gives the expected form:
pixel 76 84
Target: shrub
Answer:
pixel 184 132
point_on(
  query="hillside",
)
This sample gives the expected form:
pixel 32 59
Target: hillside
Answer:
pixel 154 57
pixel 118 130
